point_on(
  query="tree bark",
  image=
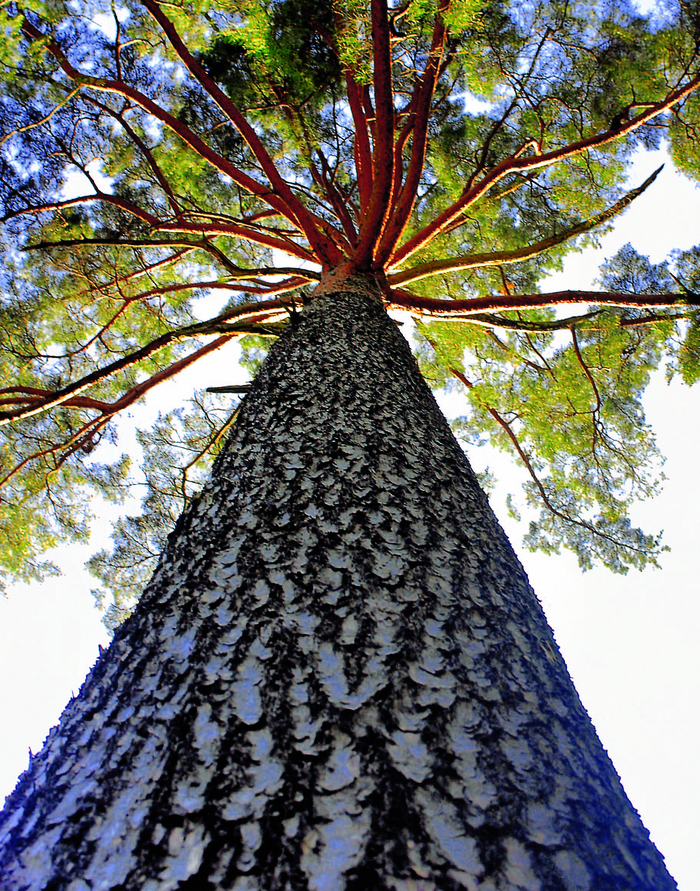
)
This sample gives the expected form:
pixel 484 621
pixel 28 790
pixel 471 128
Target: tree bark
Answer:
pixel 338 678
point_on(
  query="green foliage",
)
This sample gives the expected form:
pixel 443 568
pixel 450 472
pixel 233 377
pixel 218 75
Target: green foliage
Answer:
pixel 145 215
pixel 630 273
pixel 568 403
pixel 284 58
pixel 253 351
pixel 177 454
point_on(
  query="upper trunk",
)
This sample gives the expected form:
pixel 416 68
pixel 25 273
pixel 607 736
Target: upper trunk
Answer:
pixel 339 676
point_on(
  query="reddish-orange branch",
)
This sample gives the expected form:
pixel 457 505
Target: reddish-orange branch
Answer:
pixel 586 370
pixel 29 395
pixel 257 235
pixel 59 397
pixel 106 85
pixel 107 410
pixel 296 279
pixel 407 114
pixel 246 233
pixel 267 289
pixel 363 151
pixel 368 110
pixel 499 258
pixel 37 395
pixel 141 389
pixel 424 92
pixel 288 247
pixel 383 158
pixel 315 229
pixel 519 164
pixel 242 179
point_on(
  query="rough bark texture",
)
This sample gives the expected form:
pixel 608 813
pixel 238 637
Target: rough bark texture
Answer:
pixel 339 677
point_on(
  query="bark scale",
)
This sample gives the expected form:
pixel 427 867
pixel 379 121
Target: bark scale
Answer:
pixel 338 678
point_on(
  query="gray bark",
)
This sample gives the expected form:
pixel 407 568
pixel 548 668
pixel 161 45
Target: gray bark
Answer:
pixel 338 678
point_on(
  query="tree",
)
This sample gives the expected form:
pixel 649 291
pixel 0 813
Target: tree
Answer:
pixel 441 749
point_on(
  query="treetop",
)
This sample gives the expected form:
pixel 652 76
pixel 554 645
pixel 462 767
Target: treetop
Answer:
pixel 178 176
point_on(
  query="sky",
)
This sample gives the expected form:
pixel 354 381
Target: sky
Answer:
pixel 630 641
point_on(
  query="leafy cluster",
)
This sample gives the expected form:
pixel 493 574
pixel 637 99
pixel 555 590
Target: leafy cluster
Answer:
pixel 630 273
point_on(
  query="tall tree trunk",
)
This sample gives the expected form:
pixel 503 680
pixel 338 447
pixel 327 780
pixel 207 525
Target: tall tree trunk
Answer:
pixel 339 677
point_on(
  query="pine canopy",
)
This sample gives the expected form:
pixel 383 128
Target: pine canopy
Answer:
pixel 179 176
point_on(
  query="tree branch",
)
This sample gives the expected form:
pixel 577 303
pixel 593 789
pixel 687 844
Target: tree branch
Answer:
pixel 425 90
pixel 462 309
pixel 146 152
pixel 314 227
pixel 383 158
pixel 41 121
pixel 71 445
pixel 122 241
pixel 362 149
pixel 586 371
pixel 120 280
pixel 248 318
pixel 500 258
pixel 105 197
pixel 487 320
pixel 107 409
pixel 106 85
pixel 336 199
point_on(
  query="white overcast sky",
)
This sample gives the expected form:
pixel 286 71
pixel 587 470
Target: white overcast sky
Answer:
pixel 631 642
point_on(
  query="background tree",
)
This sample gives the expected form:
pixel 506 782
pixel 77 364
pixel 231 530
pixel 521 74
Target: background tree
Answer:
pixel 424 206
